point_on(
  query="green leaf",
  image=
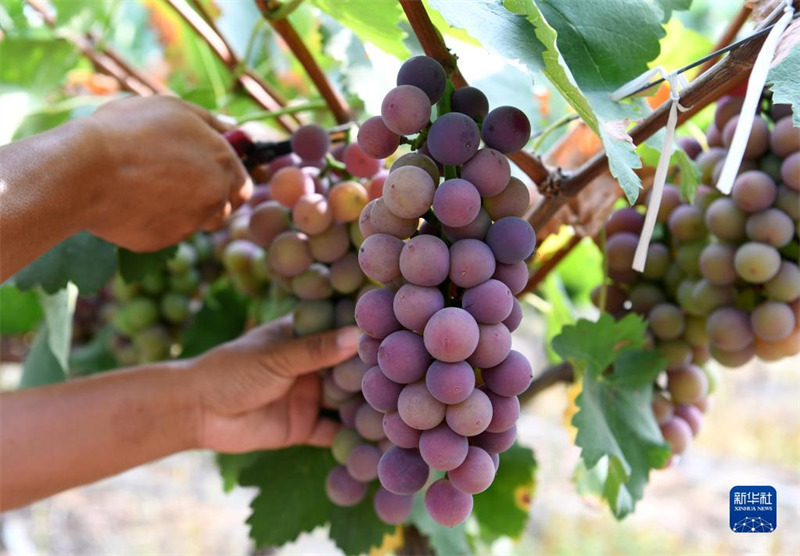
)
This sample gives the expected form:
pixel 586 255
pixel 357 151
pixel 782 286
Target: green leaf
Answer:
pixel 446 541
pixel 277 304
pixel 232 465
pixel 615 421
pixel 559 314
pixel 358 529
pixel 95 355
pixel 222 318
pixel 650 152
pixel 502 510
pixel 39 64
pixel 667 6
pixel 291 498
pixel 83 259
pixel 581 271
pixel 135 266
pixel 41 367
pixel 58 310
pixel 20 311
pixel 784 80
pixel 375 22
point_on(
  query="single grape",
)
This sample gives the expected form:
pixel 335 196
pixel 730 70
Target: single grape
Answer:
pixel 368 349
pixel 314 283
pixel 772 321
pixel 627 219
pixel 471 263
pixel 369 423
pixel 420 161
pixel 716 264
pixel 666 321
pixel 489 170
pixel 398 432
pixel 727 107
pixel 405 110
pixel 402 471
pixel 289 184
pixel 511 239
pixel 385 221
pixel 615 298
pixel 442 449
pixel 790 171
pixel 690 146
pixel 358 163
pixel 376 140
pixel 515 318
pixel 175 307
pixel 402 357
pixel 415 305
pixel 342 489
pixel 658 260
pixel 362 463
pixel 476 229
pixel 757 142
pixel 348 410
pixel 425 73
pixel 472 416
pixel 453 139
pixel 663 410
pixel 644 296
pixel 392 508
pixel 729 329
pixel 686 224
pixel 688 257
pixel 446 504
pixel 704 196
pixel 347 199
pixel 456 202
pixel 771 226
pixel 696 334
pixel 451 335
pixel 450 383
pixel 475 474
pixel 345 274
pixel 708 160
pixel 379 257
pixel 489 303
pixel 513 200
pixel 757 262
pixel 375 184
pixel 725 220
pixel 505 411
pixel 267 220
pixel 506 129
pixel 494 345
pixel 425 261
pixel 515 276
pixel 620 249
pixel 788 201
pixel 785 285
pixel 687 385
pixel 511 377
pixel 692 416
pixel 343 443
pixel 374 313
pixel 677 353
pixel 330 245
pixel 408 192
pixel 678 434
pixel 310 142
pixel 496 442
pixel 348 374
pixel 735 357
pixel 470 101
pixel 418 408
pixel 754 191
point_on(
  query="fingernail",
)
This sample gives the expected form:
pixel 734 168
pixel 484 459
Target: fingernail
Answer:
pixel 347 337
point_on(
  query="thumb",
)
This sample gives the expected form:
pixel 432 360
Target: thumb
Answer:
pixel 299 356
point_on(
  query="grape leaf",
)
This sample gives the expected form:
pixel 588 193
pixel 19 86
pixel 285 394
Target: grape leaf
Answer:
pixel 135 266
pixel 41 367
pixel 83 259
pixel 668 6
pixel 232 465
pixel 503 509
pixel 650 152
pixel 93 356
pixel 784 80
pixel 222 318
pixel 58 310
pixel 375 22
pixel 614 420
pixel 20 311
pixel 358 529
pixel 40 65
pixel 448 541
pixel 291 498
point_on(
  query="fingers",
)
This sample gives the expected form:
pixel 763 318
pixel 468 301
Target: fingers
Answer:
pixel 217 123
pixel 323 433
pixel 296 357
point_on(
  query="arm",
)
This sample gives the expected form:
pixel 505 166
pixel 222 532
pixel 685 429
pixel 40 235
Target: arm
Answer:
pixel 143 173
pixel 257 392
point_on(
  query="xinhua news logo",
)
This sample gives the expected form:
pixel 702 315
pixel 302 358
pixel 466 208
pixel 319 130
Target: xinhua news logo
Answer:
pixel 754 509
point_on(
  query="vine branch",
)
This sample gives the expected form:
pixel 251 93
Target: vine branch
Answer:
pixel 284 28
pixel 556 374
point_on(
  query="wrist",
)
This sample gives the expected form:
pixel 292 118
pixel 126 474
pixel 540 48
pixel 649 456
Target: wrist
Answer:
pixel 185 402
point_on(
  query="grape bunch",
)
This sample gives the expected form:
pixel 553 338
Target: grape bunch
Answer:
pixel 149 315
pixel 441 380
pixel 721 279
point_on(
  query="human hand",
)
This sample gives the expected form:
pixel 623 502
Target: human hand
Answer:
pixel 261 392
pixel 163 171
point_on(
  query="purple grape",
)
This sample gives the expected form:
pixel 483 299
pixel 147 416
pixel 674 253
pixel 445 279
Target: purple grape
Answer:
pixel 511 377
pixel 446 504
pixel 716 264
pixel 377 140
pixel 406 109
pixel 379 257
pixel 474 230
pixel 506 129
pixel 380 392
pixel 771 226
pixel 398 432
pixel 692 416
pixel 332 395
pixel 342 489
pixel 402 471
pixel 627 219
pixel 476 473
pixel 489 171
pixel 402 357
pixel 425 73
pixel 310 142
pixel 369 423
pixel 515 276
pixel 418 408
pixel 495 461
pixel 686 224
pixel 362 463
pixel 505 412
pixel 408 192
pixel 790 171
pixel 382 220
pixel 358 163
pixel 514 318
pixel 451 335
pixel 348 374
pixel 425 261
pixel 494 345
pixel 453 139
pixel 512 240
pixel 496 442
pixel 729 329
pixel 450 383
pixel 392 508
pixel 754 191
pixel 472 416
pixel 490 302
pixel 374 314
pixel 620 249
pixel 471 262
pixel 415 305
pixel 442 449
pixel 470 101
pixel 456 203
pixel 513 200
pixel 368 349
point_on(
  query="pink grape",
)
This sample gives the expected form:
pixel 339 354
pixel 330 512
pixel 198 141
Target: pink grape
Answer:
pixel 442 449
pixel 418 408
pixel 446 504
pixel 511 377
pixel 451 335
pixel 475 474
pixel 425 261
pixel 342 489
pixel 450 383
pixel 511 239
pixel 398 432
pixel 496 442
pixel 505 411
pixel 415 305
pixel 380 392
pixel 403 357
pixel 406 109
pixel 471 262
pixel 392 508
pixel 362 463
pixel 402 471
pixel 489 171
pixel 374 314
pixel 490 302
pixel 472 416
pixel 494 345
pixel 456 202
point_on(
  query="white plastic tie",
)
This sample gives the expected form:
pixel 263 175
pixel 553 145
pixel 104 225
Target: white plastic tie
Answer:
pixel 758 77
